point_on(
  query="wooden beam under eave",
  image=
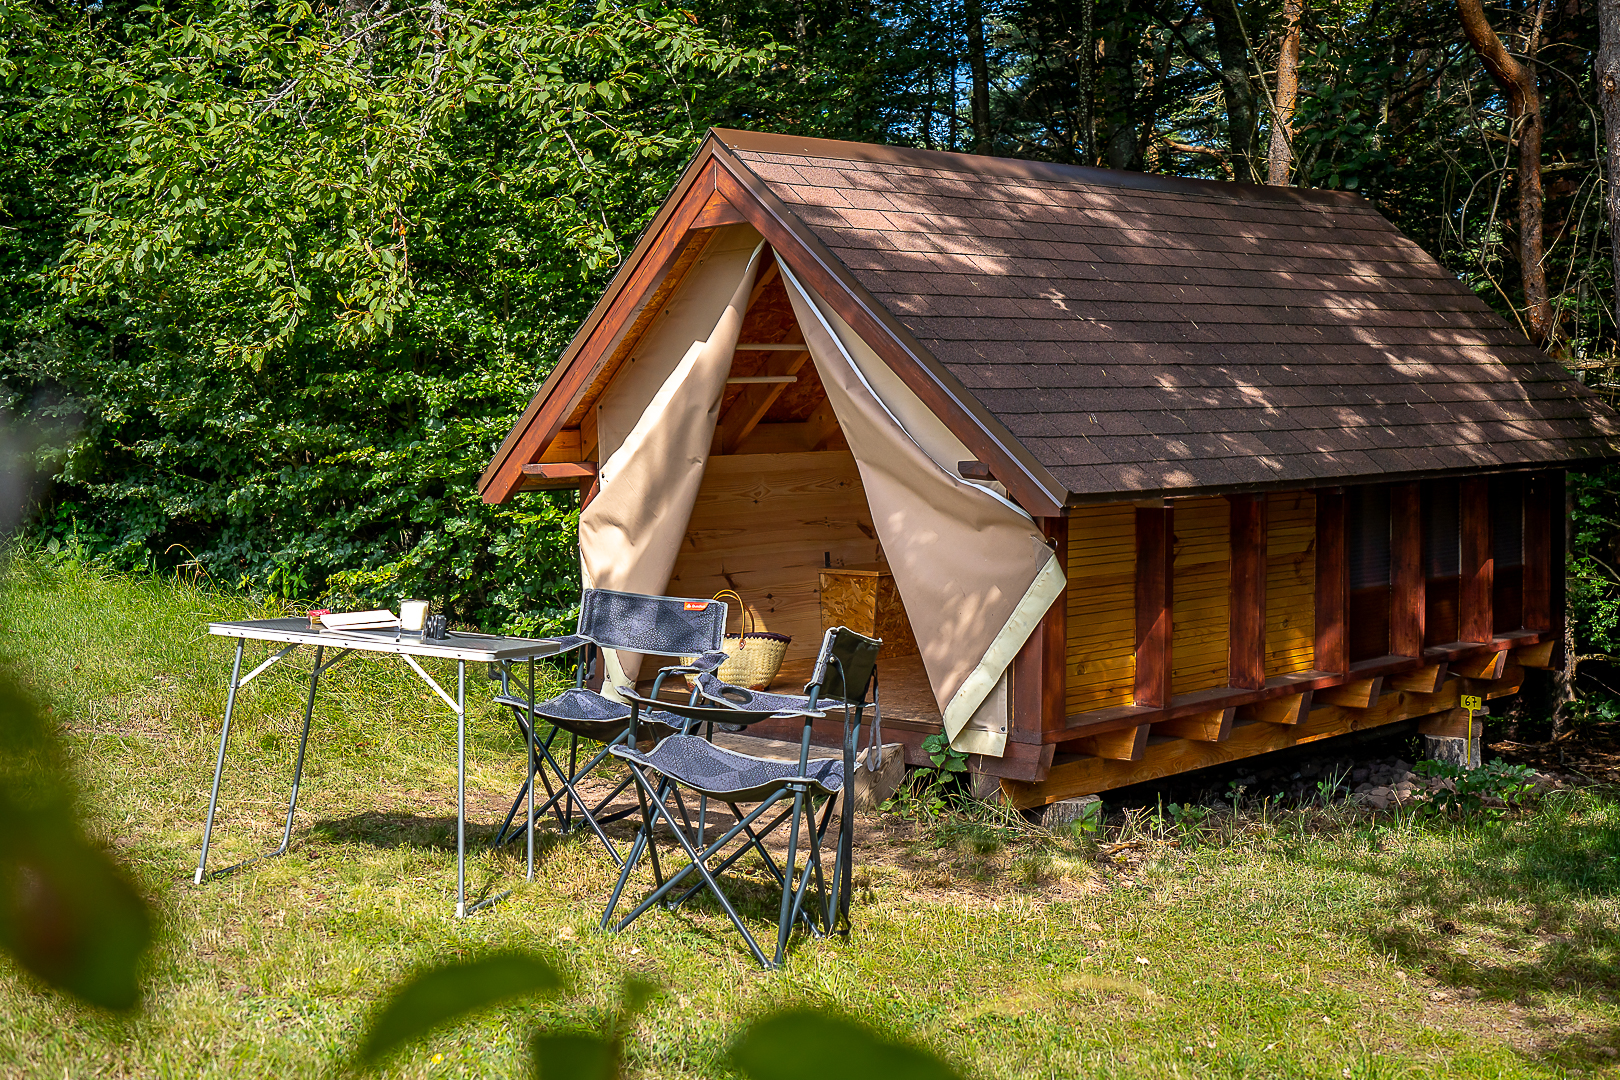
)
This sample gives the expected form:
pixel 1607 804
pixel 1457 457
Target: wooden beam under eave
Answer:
pixel 1332 583
pixel 1476 588
pixel 1352 695
pixel 716 212
pixel 1155 602
pixel 549 475
pixel 1407 598
pixel 1212 726
pixel 1246 602
pixel 1290 709
pixel 1126 745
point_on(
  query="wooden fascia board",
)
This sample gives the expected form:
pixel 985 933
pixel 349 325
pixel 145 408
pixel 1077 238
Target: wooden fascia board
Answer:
pixel 636 280
pixel 797 246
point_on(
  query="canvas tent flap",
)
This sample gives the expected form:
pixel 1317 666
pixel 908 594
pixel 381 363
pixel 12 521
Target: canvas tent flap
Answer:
pixel 972 568
pixel 630 534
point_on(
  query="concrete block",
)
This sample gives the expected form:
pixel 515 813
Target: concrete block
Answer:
pixel 1458 751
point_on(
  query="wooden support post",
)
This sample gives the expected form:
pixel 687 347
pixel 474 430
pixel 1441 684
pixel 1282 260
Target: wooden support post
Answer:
pixel 1246 605
pixel 1332 583
pixel 1476 585
pixel 1406 600
pixel 1543 513
pixel 1155 577
pixel 1126 745
pixel 1039 669
pixel 1536 656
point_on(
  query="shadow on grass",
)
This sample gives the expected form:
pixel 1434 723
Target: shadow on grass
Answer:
pixel 1516 911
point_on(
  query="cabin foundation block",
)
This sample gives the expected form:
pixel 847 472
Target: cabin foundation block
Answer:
pixel 1067 811
pixel 1459 751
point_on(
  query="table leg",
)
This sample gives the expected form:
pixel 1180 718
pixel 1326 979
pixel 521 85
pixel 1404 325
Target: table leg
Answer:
pixel 219 766
pixel 303 741
pixel 531 765
pixel 461 788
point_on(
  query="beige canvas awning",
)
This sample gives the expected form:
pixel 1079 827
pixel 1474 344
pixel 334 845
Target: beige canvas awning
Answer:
pixel 655 427
pixel 973 571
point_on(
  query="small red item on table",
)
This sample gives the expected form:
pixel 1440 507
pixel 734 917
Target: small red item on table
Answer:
pixel 315 616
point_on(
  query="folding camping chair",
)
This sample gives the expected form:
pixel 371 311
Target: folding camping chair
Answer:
pixel 659 625
pixel 845 670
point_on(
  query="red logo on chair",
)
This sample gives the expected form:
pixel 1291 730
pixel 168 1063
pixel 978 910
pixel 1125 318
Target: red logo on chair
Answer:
pixel 697 605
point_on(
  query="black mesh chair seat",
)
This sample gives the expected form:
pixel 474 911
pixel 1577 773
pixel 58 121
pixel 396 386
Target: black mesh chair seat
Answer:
pixel 591 716
pixel 727 775
pixel 652 625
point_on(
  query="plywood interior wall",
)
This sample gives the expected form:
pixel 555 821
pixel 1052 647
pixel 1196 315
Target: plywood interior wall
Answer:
pixel 1102 608
pixel 761 525
pixel 1203 569
pixel 1291 583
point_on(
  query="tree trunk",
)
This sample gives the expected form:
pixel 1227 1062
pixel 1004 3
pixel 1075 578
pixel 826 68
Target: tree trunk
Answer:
pixel 1088 84
pixel 1119 69
pixel 979 70
pixel 1232 45
pixel 1518 84
pixel 1608 72
pixel 1281 159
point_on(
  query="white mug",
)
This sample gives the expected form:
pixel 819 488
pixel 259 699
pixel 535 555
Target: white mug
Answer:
pixel 412 614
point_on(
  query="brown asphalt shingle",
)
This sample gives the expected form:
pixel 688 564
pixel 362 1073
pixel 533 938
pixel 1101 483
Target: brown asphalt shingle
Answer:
pixel 1147 334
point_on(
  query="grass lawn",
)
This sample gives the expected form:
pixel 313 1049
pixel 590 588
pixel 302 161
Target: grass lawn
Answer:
pixel 1320 944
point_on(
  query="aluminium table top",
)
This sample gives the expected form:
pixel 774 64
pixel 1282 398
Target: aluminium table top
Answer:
pixel 457 645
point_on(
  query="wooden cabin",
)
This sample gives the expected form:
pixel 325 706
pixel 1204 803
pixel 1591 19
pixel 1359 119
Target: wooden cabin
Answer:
pixel 1300 481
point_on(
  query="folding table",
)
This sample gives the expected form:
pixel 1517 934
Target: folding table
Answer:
pixel 460 647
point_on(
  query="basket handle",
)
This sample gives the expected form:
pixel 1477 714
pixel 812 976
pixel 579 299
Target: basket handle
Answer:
pixel 746 616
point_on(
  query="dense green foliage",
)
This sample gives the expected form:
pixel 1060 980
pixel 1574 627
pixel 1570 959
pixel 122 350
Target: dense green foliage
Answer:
pixel 276 279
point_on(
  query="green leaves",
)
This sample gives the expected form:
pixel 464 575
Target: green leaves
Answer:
pixel 946 758
pixel 67 913
pixel 804 1044
pixel 438 997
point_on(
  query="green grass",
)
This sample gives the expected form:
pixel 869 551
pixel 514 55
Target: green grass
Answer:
pixel 1312 945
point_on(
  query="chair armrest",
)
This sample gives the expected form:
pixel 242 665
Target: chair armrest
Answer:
pixel 709 661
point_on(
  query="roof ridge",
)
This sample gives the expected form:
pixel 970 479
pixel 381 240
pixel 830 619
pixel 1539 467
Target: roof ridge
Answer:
pixel 1021 168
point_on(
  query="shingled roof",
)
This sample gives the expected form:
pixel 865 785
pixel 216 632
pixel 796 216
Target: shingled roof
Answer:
pixel 1143 334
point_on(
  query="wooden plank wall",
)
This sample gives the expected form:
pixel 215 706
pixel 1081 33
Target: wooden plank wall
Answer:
pixel 1203 562
pixel 1101 663
pixel 761 525
pixel 1291 583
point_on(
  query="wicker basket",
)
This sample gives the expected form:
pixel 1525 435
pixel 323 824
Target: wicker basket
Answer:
pixel 754 656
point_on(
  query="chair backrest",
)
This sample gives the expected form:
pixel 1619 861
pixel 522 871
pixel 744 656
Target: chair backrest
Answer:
pixel 848 679
pixel 660 625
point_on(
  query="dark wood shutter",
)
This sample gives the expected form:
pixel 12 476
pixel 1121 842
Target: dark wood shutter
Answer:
pixel 1367 544
pixel 1442 561
pixel 1507 552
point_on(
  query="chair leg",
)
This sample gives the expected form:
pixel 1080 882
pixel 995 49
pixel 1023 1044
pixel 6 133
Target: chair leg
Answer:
pixel 784 922
pixel 697 864
pixel 642 840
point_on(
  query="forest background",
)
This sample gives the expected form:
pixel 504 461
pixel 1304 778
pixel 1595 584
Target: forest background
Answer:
pixel 277 277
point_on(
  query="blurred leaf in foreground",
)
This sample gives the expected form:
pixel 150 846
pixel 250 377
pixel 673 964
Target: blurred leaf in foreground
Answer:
pixel 574 1055
pixel 441 996
pixel 67 913
pixel 803 1044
